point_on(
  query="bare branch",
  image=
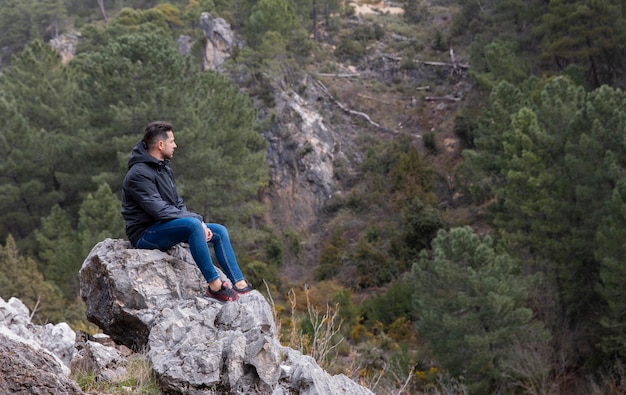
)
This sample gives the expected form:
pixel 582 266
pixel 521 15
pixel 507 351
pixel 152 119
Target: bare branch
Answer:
pixel 349 111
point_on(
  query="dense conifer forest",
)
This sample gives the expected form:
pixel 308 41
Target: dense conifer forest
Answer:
pixel 497 267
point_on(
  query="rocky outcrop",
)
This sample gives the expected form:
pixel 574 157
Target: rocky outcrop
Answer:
pixel 34 359
pixel 27 369
pixel 65 44
pixel 302 155
pixel 153 299
pixel 220 40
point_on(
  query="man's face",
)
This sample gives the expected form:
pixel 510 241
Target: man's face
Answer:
pixel 168 146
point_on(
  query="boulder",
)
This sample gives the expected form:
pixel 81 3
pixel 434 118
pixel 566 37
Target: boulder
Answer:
pixel 26 369
pixel 57 340
pixel 154 300
pixel 34 359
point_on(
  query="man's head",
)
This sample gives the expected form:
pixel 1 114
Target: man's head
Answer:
pixel 159 139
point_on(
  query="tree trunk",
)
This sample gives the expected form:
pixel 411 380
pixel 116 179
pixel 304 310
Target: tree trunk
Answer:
pixel 104 13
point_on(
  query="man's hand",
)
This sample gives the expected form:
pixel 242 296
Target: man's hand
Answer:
pixel 207 233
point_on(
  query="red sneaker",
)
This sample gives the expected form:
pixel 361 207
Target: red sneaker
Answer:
pixel 224 294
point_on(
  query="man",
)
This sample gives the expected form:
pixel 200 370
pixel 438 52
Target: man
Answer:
pixel 156 217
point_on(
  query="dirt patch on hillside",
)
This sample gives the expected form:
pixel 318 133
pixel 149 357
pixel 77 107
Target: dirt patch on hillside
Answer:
pixel 386 6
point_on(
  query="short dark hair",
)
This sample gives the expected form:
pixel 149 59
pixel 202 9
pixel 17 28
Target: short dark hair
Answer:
pixel 156 131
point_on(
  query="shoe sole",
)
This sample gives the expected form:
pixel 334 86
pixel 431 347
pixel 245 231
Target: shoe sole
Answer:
pixel 220 301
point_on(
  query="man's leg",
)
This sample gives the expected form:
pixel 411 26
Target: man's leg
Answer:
pixel 224 252
pixel 165 235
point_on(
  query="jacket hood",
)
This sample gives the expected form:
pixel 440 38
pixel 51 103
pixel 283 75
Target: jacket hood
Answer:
pixel 140 154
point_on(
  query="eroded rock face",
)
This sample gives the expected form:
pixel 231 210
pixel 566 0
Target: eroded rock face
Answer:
pixel 153 299
pixel 220 40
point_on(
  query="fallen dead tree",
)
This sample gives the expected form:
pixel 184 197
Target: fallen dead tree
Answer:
pixel 344 108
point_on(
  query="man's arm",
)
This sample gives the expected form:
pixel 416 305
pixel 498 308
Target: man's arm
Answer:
pixel 144 191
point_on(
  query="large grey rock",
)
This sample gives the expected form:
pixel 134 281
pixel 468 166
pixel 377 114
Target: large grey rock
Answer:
pixel 154 299
pixel 58 340
pixel 25 369
pixel 126 289
pixel 34 359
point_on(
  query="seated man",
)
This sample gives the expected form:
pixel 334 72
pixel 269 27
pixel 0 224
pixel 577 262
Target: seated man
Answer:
pixel 156 217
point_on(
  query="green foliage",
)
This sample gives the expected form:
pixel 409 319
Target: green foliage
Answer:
pixel 20 278
pixel 63 249
pixel 331 256
pixel 258 272
pixel 395 303
pixel 139 78
pixel 501 63
pixel 293 247
pixel 222 165
pixel 59 248
pixel 430 143
pixel 37 91
pixel 411 175
pixel 366 33
pixel 374 266
pixel 161 19
pixel 277 37
pixel 470 301
pixel 15 19
pixel 348 311
pixel 485 163
pixel 353 47
pixel 464 127
pixel 415 11
pixel 554 157
pixel 99 218
pixel 350 50
pixel 271 15
pixel 68 129
pixel 274 250
pixel 587 33
pixel 420 225
pixel 23 21
pixel 610 286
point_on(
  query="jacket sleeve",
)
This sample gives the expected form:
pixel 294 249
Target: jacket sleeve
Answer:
pixel 144 191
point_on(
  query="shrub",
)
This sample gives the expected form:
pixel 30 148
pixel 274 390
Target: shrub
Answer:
pixel 349 50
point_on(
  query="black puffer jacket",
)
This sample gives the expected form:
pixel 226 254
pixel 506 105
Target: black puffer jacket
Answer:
pixel 149 194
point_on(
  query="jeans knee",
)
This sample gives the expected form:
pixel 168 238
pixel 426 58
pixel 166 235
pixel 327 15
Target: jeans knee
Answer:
pixel 219 229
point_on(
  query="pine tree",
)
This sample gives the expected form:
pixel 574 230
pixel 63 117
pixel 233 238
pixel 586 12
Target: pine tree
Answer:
pixel 556 167
pixel 22 279
pixel 99 218
pixel 470 304
pixel 59 248
pixel 271 15
pixel 611 253
pixel 15 19
pixel 36 103
pixel 585 34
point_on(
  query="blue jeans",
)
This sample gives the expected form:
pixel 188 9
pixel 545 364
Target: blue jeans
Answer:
pixel 165 235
